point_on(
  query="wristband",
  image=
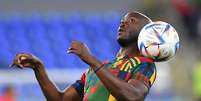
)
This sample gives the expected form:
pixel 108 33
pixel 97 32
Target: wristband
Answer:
pixel 97 69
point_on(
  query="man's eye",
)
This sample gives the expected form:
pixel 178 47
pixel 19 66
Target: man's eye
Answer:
pixel 132 20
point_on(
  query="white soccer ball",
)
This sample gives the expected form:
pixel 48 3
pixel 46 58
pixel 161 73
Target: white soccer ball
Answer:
pixel 158 40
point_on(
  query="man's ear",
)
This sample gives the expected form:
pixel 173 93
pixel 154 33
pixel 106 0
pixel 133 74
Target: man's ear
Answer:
pixel 133 20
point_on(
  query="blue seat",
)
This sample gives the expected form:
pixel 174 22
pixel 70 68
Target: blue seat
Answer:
pixel 49 37
pixel 6 58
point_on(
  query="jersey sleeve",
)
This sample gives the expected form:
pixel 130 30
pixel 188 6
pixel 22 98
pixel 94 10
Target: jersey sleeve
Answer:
pixel 79 85
pixel 145 72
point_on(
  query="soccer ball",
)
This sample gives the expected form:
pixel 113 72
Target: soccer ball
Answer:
pixel 158 40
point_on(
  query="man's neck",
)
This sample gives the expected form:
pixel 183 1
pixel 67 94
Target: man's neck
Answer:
pixel 130 51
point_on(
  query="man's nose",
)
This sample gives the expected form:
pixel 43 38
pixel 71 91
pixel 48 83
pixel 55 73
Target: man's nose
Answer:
pixel 123 23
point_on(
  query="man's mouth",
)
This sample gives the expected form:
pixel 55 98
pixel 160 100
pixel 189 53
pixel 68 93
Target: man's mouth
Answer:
pixel 120 30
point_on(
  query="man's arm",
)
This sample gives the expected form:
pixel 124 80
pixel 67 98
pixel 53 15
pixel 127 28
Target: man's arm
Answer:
pixel 133 90
pixel 49 89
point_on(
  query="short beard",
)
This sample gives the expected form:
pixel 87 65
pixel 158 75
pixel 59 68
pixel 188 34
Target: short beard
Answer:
pixel 127 41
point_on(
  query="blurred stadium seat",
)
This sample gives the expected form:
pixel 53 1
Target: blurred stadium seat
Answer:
pixel 48 37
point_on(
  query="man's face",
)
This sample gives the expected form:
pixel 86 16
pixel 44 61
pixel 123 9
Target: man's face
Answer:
pixel 127 30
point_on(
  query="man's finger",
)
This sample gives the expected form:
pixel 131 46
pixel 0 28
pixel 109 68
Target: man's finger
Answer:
pixel 24 58
pixel 17 62
pixel 19 66
pixel 70 48
pixel 16 65
pixel 12 65
pixel 73 45
pixel 24 61
pixel 72 51
pixel 68 51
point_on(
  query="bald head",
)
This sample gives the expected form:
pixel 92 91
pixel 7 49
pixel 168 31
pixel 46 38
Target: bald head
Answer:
pixel 130 27
pixel 139 15
pixel 140 19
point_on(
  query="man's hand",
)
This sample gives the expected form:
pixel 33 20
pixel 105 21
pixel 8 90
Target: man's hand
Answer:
pixel 82 51
pixel 25 60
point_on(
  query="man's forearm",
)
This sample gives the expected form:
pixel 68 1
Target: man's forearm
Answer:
pixel 49 90
pixel 25 60
pixel 120 89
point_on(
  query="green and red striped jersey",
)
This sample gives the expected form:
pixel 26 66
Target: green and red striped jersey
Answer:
pixel 124 67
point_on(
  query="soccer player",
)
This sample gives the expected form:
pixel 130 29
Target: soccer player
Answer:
pixel 126 78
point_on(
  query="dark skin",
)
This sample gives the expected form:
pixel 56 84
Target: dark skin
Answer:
pixel 133 90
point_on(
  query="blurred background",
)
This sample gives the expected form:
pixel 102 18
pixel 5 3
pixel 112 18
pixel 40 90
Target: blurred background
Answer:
pixel 46 27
